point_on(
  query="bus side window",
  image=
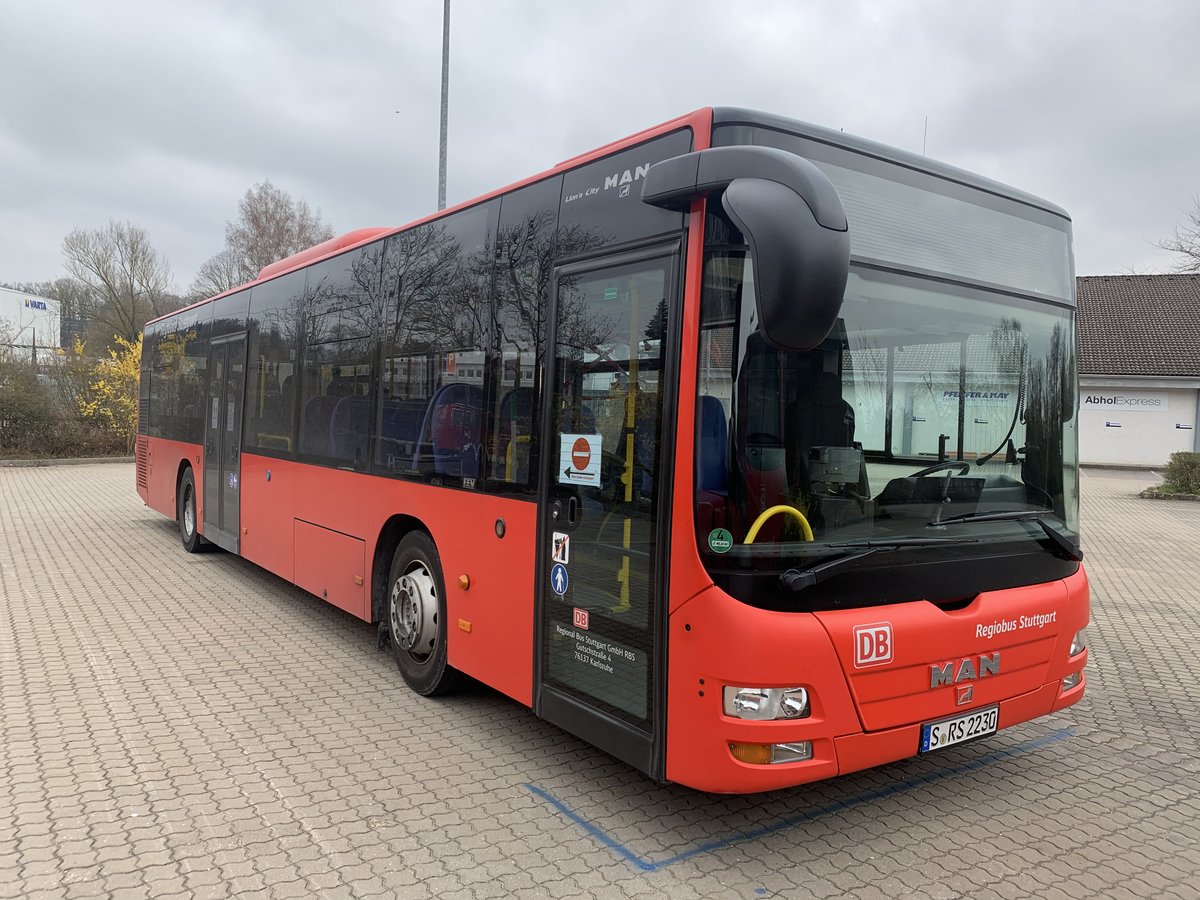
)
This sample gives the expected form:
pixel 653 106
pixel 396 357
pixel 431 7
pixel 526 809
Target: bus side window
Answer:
pixel 274 350
pixel 514 432
pixel 340 317
pixel 524 248
pixel 435 330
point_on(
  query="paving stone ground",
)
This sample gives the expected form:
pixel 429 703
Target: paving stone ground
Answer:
pixel 191 726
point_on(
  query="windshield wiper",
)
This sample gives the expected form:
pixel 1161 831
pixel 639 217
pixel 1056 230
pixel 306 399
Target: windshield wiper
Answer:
pixel 799 579
pixel 1038 516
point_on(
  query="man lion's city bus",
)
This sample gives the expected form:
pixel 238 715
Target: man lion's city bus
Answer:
pixel 743 449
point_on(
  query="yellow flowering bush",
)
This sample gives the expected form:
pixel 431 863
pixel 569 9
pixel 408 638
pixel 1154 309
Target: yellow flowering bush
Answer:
pixel 111 398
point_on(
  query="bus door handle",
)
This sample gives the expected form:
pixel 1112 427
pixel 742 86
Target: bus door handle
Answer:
pixel 572 510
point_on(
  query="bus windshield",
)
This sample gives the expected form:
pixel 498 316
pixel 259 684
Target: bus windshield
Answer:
pixel 930 408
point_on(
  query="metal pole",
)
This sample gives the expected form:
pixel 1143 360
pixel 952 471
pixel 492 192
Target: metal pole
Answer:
pixel 445 103
pixel 1196 426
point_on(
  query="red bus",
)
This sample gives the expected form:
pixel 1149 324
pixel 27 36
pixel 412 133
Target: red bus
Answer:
pixel 743 449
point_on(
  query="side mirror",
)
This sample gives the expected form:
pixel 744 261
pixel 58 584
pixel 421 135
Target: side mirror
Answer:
pixel 793 220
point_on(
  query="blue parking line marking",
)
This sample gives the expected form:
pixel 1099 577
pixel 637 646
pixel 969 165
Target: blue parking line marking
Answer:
pixel 591 829
pixel 646 865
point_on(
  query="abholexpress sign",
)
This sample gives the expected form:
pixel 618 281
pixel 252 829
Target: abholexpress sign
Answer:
pixel 1124 401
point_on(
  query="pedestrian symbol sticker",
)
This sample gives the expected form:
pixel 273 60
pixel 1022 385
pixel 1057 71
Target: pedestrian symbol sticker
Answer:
pixel 560 548
pixel 558 579
pixel 720 540
pixel 579 459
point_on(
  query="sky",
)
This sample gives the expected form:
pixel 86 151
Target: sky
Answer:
pixel 163 114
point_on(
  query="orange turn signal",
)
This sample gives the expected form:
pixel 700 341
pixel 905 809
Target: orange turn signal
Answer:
pixel 755 754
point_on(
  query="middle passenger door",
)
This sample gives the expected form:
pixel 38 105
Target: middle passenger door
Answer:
pixel 602 574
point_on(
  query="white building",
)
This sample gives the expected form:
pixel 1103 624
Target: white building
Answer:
pixel 29 321
pixel 1139 368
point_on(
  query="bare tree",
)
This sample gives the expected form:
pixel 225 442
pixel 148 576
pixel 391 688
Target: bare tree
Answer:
pixel 126 282
pixel 7 342
pixel 270 226
pixel 217 275
pixel 72 296
pixel 38 288
pixel 1185 240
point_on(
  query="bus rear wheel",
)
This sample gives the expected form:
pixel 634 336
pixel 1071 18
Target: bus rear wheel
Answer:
pixel 417 617
pixel 185 507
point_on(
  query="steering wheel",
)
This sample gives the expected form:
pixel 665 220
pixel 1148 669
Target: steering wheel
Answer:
pixel 774 510
pixel 963 468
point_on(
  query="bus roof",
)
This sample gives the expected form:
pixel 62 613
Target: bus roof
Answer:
pixel 729 116
pixel 701 121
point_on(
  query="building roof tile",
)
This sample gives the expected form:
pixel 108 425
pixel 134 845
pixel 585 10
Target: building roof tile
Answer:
pixel 1139 324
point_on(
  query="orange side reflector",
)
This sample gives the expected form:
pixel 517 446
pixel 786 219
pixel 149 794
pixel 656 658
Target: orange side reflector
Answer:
pixel 358 579
pixel 464 625
pixel 755 754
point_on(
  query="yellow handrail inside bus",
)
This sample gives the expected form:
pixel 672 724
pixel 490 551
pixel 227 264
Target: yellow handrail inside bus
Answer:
pixel 774 510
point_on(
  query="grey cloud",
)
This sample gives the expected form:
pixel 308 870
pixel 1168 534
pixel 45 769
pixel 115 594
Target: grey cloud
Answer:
pixel 165 113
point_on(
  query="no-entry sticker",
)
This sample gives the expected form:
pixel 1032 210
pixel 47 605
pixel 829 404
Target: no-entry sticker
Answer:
pixel 579 459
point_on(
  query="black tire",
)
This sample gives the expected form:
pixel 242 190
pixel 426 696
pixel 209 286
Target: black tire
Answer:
pixel 185 507
pixel 416 617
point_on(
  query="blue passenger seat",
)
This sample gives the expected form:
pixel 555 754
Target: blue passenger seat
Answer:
pixel 314 430
pixel 712 457
pixel 348 429
pixel 449 443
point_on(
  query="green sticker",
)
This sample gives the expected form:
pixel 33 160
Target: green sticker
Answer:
pixel 610 293
pixel 720 540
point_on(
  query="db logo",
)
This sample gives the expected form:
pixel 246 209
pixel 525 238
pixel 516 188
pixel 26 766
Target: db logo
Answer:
pixel 872 644
pixel 581 619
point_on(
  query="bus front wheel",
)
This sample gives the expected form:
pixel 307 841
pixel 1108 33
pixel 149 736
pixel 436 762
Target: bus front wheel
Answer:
pixel 417 616
pixel 185 508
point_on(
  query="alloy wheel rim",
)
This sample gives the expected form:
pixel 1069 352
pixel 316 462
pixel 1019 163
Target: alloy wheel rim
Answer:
pixel 413 612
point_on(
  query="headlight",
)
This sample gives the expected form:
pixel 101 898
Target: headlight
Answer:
pixel 764 704
pixel 1078 643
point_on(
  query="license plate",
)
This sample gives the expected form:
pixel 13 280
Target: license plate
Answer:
pixel 947 732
